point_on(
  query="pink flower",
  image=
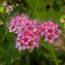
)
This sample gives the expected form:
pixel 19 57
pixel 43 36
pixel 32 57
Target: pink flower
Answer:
pixel 20 45
pixel 57 32
pixel 49 38
pixel 4 3
pixel 30 40
pixel 26 30
pixel 12 28
pixel 32 44
pixel 42 29
pixel 49 31
pixel 50 23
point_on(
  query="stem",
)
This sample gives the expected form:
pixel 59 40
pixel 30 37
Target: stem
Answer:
pixel 2 18
pixel 53 53
pixel 4 34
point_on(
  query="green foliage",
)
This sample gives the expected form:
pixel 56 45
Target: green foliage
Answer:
pixel 13 52
pixel 45 54
pixel 10 36
pixel 2 31
pixel 2 50
pixel 18 9
pixel 2 19
pixel 4 42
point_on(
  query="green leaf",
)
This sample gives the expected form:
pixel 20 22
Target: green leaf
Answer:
pixel 45 45
pixel 10 53
pixel 3 51
pixel 13 52
pixel 11 36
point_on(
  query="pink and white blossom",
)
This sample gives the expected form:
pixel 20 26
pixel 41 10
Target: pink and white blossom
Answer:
pixel 49 31
pixel 26 30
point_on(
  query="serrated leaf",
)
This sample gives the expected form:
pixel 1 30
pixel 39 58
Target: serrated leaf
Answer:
pixel 10 36
pixel 13 52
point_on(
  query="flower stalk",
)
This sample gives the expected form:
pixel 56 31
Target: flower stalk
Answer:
pixel 53 53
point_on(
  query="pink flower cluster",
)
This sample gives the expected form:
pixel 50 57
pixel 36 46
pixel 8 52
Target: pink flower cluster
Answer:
pixel 49 31
pixel 26 29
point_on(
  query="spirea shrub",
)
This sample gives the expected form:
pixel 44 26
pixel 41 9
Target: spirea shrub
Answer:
pixel 29 31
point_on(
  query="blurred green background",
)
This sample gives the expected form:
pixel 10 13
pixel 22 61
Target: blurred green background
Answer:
pixel 43 10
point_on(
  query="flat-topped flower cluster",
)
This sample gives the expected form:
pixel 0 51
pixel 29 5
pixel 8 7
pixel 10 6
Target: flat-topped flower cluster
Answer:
pixel 50 31
pixel 29 31
pixel 28 37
